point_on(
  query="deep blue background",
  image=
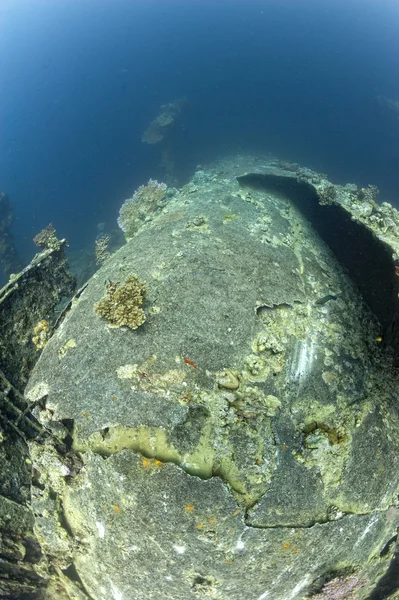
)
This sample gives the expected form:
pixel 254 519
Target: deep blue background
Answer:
pixel 81 79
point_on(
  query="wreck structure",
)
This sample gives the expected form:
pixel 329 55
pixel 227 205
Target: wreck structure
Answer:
pixel 239 439
pixel 27 316
pixel 160 133
pixel 10 261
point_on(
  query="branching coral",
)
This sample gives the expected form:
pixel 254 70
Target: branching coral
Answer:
pixel 141 206
pixel 121 306
pixel 368 194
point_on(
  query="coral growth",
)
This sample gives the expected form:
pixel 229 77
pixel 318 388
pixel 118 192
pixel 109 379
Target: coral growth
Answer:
pixel 46 239
pixel 121 306
pixel 41 334
pixel 141 206
pixel 327 195
pixel 101 249
pixel 368 194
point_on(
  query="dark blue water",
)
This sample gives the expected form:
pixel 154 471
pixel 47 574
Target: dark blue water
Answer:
pixel 80 80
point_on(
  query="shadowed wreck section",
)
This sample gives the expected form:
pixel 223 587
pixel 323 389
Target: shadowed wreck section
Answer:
pixel 29 298
pixel 359 242
pixel 10 261
pixel 236 443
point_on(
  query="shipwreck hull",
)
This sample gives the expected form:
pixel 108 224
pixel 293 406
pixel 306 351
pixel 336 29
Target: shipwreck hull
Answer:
pixel 242 443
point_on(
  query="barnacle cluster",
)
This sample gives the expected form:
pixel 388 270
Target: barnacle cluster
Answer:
pixel 121 306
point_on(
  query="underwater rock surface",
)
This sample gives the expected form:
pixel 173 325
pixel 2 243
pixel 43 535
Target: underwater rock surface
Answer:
pixel 242 443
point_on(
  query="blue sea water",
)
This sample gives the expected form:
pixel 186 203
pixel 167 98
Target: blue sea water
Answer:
pixel 80 80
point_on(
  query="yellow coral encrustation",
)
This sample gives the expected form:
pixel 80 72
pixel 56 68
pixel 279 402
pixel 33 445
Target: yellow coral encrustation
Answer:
pixel 41 334
pixel 121 306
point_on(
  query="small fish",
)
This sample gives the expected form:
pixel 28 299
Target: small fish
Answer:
pixel 327 298
pixel 188 361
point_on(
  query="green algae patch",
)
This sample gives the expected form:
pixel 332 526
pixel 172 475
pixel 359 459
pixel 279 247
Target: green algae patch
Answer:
pixel 148 441
pixel 71 343
pixel 151 442
pixel 205 459
pixel 230 218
